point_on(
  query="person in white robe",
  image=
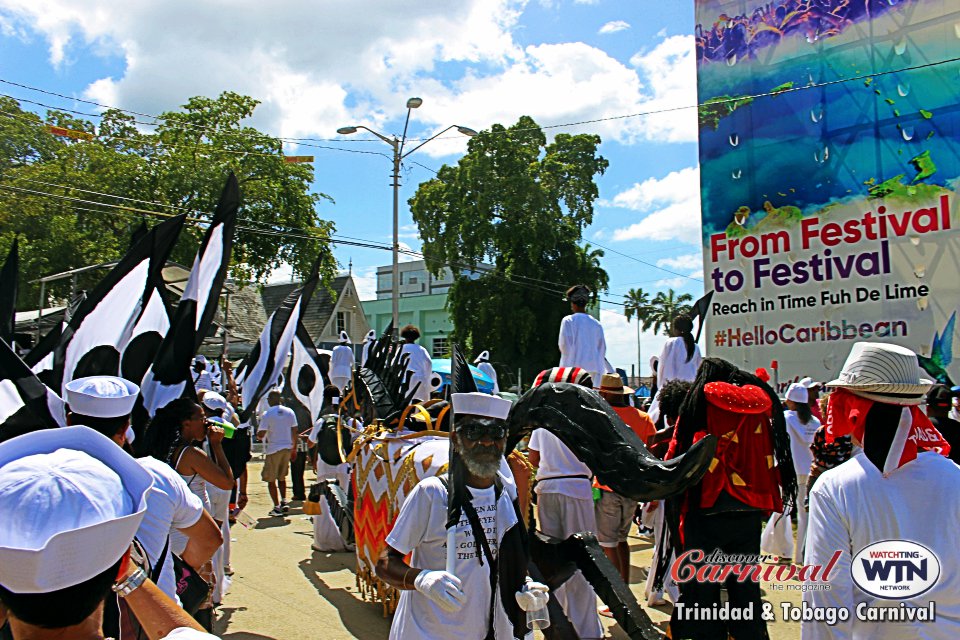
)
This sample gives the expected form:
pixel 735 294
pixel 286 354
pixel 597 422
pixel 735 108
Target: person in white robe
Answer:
pixel 483 363
pixel 420 365
pixel 582 343
pixel 341 363
pixel 679 359
pixel 368 341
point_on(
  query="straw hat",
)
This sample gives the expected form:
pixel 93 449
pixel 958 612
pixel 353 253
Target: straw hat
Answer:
pixel 884 373
pixel 612 383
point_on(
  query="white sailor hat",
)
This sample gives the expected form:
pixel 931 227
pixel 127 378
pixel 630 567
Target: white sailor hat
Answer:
pixel 76 499
pixel 481 404
pixel 214 401
pixel 101 396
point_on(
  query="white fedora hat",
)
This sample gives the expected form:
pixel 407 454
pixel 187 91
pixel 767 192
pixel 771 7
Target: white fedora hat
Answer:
pixel 883 372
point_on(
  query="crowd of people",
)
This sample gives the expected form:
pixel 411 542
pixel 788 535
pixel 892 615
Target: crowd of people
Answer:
pixel 853 461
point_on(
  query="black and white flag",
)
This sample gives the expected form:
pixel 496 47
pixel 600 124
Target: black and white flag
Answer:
pixel 261 369
pixel 170 374
pixel 26 404
pixel 9 279
pixel 307 375
pixel 106 322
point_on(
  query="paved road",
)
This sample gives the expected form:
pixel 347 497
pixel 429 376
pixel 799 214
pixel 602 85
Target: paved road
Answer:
pixel 283 590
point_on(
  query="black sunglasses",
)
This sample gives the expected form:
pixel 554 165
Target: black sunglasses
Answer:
pixel 479 430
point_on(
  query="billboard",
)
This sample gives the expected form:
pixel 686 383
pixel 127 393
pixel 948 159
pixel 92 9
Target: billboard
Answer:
pixel 830 168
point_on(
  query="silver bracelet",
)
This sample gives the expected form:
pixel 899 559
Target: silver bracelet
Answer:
pixel 131 584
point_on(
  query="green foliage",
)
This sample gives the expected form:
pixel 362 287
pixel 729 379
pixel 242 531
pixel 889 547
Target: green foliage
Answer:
pixel 182 164
pixel 664 308
pixel 519 206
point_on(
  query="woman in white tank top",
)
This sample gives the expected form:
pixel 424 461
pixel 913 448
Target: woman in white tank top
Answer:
pixel 175 434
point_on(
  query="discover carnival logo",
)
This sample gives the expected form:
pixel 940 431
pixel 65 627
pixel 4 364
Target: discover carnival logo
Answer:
pixel 895 569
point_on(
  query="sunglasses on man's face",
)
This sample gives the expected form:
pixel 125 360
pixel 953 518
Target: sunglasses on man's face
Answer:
pixel 480 430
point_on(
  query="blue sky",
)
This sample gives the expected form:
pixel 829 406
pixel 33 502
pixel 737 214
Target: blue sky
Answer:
pixel 318 66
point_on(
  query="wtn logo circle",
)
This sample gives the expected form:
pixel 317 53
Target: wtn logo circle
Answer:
pixel 895 569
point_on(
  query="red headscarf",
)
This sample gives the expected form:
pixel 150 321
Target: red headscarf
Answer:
pixel 847 415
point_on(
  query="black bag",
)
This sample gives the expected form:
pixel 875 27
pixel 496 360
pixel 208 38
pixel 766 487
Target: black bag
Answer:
pixel 191 588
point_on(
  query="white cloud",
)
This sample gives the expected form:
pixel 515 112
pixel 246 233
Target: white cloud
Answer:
pixel 613 26
pixel 621 338
pixel 317 68
pixel 366 283
pixel 672 205
pixel 689 261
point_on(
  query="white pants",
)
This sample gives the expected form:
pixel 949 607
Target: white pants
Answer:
pixel 655 522
pixel 778 534
pixel 340 382
pixel 561 516
pixel 220 510
pixel 326 535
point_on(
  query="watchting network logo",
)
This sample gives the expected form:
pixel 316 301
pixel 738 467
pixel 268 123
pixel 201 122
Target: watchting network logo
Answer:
pixel 895 569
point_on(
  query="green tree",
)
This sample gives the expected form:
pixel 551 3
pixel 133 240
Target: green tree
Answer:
pixel 514 207
pixel 637 304
pixel 181 166
pixel 664 308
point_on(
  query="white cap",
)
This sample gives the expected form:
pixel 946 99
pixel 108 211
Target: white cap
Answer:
pixel 481 404
pixel 200 359
pixel 77 500
pixel 101 396
pixel 483 357
pixel 344 338
pixel 797 393
pixel 810 383
pixel 213 401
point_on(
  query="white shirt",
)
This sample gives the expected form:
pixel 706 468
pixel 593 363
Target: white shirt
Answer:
pixel 674 364
pixel 278 422
pixel 801 437
pixel 853 505
pixel 365 351
pixel 186 633
pixel 170 506
pixel 324 470
pixel 582 345
pixel 556 459
pixel 422 367
pixel 341 361
pixel 420 528
pixel 491 373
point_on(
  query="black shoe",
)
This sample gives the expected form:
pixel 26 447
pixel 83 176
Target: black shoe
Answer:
pixel 285 507
pixel 204 618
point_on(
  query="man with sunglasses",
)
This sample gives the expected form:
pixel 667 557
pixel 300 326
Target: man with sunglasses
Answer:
pixel 487 594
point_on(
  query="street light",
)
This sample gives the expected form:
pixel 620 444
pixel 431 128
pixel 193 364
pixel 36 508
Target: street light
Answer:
pixel 398 155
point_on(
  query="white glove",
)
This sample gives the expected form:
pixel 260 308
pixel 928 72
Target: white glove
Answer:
pixel 533 596
pixel 443 588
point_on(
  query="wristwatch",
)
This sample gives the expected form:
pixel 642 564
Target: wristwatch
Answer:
pixel 131 583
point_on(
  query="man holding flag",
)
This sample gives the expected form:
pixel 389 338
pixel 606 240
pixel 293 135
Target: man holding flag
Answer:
pixel 476 587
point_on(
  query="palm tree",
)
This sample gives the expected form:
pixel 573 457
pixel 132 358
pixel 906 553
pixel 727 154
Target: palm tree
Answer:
pixel 664 308
pixel 638 303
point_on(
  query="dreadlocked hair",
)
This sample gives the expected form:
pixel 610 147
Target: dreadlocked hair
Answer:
pixel 693 415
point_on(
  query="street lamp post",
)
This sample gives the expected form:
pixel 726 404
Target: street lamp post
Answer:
pixel 398 155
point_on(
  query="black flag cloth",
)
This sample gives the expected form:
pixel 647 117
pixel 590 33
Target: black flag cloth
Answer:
pixel 261 369
pixel 170 373
pixel 307 375
pixel 9 277
pixel 106 322
pixel 700 309
pixel 26 404
pixel 461 381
